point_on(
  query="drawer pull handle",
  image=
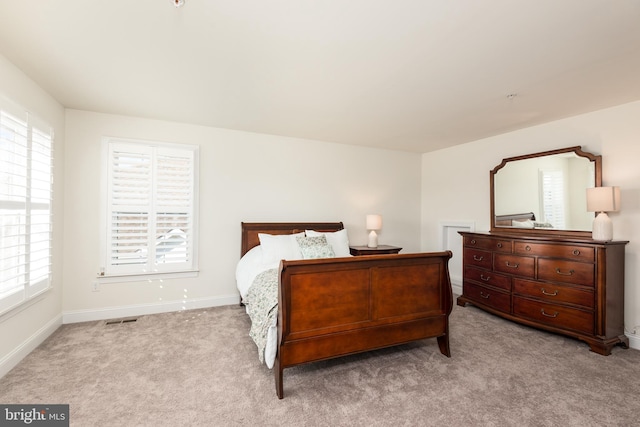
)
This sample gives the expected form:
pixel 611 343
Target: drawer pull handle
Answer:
pixel 527 248
pixel 483 295
pixel 478 258
pixel 544 313
pixel 484 278
pixel 549 293
pixel 499 245
pixel 569 273
pixel 508 264
pixel 576 252
pixel 473 241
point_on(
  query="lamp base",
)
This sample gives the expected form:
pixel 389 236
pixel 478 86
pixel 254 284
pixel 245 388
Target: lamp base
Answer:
pixel 602 228
pixel 373 239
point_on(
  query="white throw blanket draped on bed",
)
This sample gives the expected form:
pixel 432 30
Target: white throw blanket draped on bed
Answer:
pixel 262 306
pixel 257 279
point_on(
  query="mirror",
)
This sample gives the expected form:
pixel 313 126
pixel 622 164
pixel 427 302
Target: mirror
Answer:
pixel 545 192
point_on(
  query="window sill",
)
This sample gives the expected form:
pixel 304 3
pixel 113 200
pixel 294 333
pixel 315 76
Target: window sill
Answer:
pixel 146 277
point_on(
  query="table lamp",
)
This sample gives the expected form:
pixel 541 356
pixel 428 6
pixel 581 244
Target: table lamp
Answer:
pixel 603 200
pixel 374 223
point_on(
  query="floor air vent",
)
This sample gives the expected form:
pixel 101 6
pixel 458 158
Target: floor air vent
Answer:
pixel 121 321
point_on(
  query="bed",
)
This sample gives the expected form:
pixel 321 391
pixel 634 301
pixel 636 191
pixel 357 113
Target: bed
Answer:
pixel 341 305
pixel 521 220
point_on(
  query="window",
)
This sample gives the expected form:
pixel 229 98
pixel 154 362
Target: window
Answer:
pixel 26 178
pixel 151 208
pixel 553 198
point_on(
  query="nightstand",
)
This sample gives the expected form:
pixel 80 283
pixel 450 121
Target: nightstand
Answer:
pixel 380 250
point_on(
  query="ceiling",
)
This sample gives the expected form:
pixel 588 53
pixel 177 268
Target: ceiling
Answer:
pixel 414 75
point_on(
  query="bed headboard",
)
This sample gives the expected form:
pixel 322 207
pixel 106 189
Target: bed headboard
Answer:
pixel 250 230
pixel 507 220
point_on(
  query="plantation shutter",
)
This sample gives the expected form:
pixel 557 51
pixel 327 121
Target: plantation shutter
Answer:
pixel 26 180
pixel 130 182
pixel 40 224
pixel 174 229
pixel 553 198
pixel 150 209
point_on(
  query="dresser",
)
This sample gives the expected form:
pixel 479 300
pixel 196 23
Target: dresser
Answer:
pixel 570 286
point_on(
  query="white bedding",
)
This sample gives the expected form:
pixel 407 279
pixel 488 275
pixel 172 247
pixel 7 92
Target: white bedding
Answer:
pixel 256 261
pixel 249 266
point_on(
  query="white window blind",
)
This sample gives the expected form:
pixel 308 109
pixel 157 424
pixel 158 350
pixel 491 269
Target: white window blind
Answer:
pixel 151 208
pixel 26 184
pixel 553 208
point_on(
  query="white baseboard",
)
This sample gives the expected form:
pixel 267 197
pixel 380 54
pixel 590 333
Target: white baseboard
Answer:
pixel 9 361
pixel 456 288
pixel 634 340
pixel 76 316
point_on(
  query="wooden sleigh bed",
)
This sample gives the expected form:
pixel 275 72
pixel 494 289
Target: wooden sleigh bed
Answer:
pixel 333 307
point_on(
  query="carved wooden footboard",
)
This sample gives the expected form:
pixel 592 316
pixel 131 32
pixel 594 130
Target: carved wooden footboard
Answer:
pixel 335 307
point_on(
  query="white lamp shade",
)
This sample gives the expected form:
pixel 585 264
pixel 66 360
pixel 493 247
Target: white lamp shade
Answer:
pixel 603 199
pixel 374 222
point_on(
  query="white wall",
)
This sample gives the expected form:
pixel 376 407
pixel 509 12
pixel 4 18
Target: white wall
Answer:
pixel 255 177
pixel 455 181
pixel 23 329
pixel 243 177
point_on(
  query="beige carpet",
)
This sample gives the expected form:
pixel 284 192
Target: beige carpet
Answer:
pixel 199 368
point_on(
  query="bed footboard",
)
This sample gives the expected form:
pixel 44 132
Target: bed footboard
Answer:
pixel 335 307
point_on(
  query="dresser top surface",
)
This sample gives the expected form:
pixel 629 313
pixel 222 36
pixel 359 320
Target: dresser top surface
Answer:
pixel 543 238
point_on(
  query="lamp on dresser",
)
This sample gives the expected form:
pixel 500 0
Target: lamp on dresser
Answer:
pixel 603 200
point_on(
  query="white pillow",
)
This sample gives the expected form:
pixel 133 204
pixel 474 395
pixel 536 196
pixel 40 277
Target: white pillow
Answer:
pixel 339 241
pixel 249 266
pixel 522 224
pixel 278 247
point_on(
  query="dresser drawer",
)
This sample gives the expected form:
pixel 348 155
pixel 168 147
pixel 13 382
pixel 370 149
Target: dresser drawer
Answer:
pixel 477 258
pixel 497 245
pixel 554 293
pixel 513 264
pixel 554 315
pixel 571 252
pixel 556 270
pixel 489 297
pixel 487 278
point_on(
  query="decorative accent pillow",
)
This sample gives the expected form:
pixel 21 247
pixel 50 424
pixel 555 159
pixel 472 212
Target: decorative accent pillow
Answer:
pixel 278 247
pixel 315 247
pixel 542 225
pixel 339 240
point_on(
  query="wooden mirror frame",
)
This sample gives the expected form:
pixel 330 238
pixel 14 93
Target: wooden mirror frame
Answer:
pixel 597 159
